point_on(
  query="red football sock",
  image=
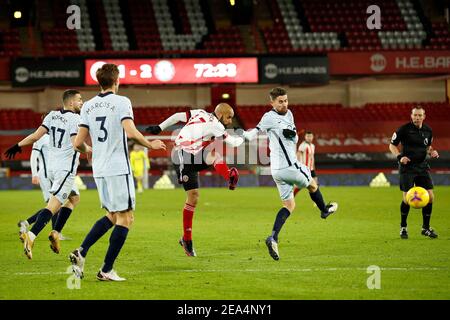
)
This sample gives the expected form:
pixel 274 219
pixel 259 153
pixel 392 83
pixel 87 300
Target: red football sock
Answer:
pixel 188 215
pixel 222 169
pixel 296 190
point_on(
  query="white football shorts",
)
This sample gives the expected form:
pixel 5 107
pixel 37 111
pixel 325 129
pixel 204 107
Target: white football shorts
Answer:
pixel 62 185
pixel 297 174
pixel 116 192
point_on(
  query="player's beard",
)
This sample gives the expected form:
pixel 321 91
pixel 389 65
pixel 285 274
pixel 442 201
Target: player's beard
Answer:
pixel 283 112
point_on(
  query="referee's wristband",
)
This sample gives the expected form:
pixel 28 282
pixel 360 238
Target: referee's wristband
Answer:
pixel 399 157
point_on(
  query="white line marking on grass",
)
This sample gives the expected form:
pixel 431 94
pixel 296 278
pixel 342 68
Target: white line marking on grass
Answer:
pixel 245 270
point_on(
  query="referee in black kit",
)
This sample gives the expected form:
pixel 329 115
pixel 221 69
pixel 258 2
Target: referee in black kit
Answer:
pixel 416 138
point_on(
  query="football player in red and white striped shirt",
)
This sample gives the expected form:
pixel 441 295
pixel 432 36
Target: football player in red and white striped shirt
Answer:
pixel 305 154
pixel 192 155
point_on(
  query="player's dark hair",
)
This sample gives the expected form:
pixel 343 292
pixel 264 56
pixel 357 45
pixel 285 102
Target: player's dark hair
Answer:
pixel 309 132
pixel 417 108
pixel 276 92
pixel 69 94
pixel 107 75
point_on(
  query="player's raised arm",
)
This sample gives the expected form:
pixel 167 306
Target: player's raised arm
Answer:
pixel 234 141
pixel 250 134
pixel 264 125
pixel 173 119
pixel 136 136
pixel 30 139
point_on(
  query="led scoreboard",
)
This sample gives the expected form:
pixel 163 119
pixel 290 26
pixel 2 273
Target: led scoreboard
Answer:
pixel 178 71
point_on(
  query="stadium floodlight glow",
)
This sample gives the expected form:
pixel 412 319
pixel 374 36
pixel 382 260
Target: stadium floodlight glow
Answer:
pixel 17 14
pixel 232 2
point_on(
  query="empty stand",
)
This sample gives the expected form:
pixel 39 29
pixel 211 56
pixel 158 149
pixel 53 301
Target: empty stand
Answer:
pixel 10 43
pixel 155 27
pixel 155 115
pixel 18 119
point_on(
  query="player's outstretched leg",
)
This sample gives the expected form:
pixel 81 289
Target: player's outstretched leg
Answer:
pixel 28 237
pixel 186 239
pixel 272 245
pixel 116 241
pixel 272 240
pixel 325 210
pixel 233 178
pixel 100 227
pixel 25 224
pixel 55 234
pixel 231 175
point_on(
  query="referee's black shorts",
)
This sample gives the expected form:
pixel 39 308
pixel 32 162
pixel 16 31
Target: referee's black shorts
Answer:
pixel 410 179
pixel 188 167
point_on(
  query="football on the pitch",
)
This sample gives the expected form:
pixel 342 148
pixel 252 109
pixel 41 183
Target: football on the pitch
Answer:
pixel 417 197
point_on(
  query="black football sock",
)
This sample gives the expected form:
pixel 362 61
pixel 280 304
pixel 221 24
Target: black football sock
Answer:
pixel 404 210
pixel 33 218
pixel 98 230
pixel 63 215
pixel 426 214
pixel 318 200
pixel 43 218
pixel 282 215
pixel 116 241
pixel 54 219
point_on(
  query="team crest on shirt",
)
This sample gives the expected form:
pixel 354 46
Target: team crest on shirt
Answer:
pixel 64 196
pixel 185 178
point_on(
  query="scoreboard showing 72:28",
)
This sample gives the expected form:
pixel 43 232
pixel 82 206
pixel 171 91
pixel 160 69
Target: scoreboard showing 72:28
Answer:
pixel 178 71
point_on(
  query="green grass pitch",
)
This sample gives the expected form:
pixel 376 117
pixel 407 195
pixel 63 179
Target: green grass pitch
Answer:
pixel 319 259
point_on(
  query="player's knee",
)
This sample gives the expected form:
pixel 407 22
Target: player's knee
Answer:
pixel 193 196
pixel 130 219
pixel 74 200
pixel 290 205
pixel 125 219
pixel 313 186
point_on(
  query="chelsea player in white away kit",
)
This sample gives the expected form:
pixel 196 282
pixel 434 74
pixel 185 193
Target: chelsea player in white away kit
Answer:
pixel 286 170
pixel 40 176
pixel 108 119
pixel 62 126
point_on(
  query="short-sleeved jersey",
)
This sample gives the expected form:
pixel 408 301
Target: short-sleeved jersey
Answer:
pixel 282 149
pixel 61 126
pixel 103 116
pixel 415 142
pixel 307 154
pixel 201 129
pixel 41 147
